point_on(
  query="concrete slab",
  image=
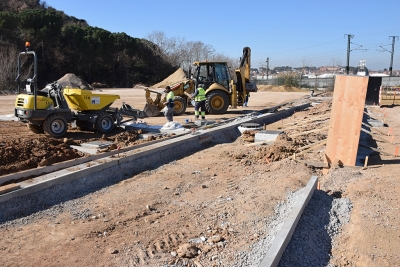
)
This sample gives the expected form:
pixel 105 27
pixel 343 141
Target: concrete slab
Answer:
pixel 267 135
pixel 8 117
pixel 203 123
pixel 97 144
pixel 175 131
pixel 142 126
pixel 87 150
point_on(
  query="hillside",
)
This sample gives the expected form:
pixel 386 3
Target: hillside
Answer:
pixel 65 44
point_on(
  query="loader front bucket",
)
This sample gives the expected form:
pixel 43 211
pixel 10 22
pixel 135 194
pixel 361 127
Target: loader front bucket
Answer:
pixel 151 110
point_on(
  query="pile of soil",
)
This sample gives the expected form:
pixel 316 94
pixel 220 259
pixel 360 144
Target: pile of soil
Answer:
pixel 31 150
pixel 72 81
pixel 23 154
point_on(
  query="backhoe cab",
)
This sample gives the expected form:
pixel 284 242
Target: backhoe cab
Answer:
pixel 221 90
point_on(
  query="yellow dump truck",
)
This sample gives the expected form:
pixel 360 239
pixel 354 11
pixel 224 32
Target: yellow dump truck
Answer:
pixel 51 109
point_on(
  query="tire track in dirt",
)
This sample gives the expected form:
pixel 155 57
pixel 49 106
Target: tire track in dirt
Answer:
pixel 158 249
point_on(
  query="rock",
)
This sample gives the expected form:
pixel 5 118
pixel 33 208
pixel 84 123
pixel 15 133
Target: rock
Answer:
pixel 68 141
pixel 215 239
pixel 112 147
pixel 113 251
pixel 44 162
pixel 187 251
pixel 205 248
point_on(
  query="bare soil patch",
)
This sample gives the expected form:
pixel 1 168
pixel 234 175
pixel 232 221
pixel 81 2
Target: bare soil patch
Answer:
pixel 206 208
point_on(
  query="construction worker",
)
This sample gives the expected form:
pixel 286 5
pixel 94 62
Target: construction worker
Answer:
pixel 246 100
pixel 199 96
pixel 169 104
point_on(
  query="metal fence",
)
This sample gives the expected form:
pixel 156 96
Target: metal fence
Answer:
pixel 326 83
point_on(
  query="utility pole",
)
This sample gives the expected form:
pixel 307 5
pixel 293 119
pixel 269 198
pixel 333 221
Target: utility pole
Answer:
pixel 349 36
pixel 267 66
pixel 391 58
pixel 392 52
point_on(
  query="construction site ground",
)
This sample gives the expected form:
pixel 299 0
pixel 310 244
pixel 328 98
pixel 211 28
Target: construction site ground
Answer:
pixel 207 207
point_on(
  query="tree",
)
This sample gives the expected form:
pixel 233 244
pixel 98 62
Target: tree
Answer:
pixel 8 63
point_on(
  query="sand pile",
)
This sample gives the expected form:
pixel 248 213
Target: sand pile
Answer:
pixel 178 76
pixel 73 81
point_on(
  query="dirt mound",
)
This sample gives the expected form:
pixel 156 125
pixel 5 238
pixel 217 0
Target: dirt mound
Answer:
pixel 73 81
pixel 322 108
pixel 178 76
pixel 30 150
pixel 25 153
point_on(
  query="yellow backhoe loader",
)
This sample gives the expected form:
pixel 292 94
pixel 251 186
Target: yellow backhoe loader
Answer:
pixel 222 91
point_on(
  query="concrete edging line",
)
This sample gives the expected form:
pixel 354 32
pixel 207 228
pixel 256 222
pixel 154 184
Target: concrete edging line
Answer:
pixel 66 164
pixel 72 173
pixel 284 235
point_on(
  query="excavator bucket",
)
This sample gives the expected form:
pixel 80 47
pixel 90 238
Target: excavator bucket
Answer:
pixel 152 107
pixel 151 110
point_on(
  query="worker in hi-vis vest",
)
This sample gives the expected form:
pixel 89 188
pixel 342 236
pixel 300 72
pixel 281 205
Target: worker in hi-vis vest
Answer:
pixel 169 105
pixel 199 96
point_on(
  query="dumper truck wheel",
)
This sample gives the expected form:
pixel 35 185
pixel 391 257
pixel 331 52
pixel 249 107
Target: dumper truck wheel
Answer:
pixel 37 129
pixel 217 102
pixel 104 123
pixel 55 125
pixel 180 105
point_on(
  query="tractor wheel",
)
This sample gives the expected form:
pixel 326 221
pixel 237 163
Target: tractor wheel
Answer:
pixel 37 129
pixel 180 105
pixel 217 102
pixel 104 123
pixel 55 125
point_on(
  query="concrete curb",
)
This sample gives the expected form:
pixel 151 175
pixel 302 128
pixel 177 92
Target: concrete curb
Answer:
pixel 85 169
pixel 66 164
pixel 284 235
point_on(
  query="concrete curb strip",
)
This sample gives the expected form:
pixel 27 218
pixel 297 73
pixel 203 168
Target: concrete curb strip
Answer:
pixel 87 168
pixel 284 235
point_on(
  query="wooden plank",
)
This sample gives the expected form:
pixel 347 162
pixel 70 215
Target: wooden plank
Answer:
pixel 380 151
pixel 305 124
pixel 373 128
pixel 308 149
pixel 375 136
pixel 346 117
pixel 7 188
pixel 302 121
pixel 312 145
pixel 307 132
pixel 316 164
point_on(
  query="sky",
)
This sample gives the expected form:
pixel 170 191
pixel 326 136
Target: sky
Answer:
pixel 288 32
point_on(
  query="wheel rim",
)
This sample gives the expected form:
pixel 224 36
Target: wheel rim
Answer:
pixel 106 123
pixel 178 106
pixel 57 126
pixel 217 102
